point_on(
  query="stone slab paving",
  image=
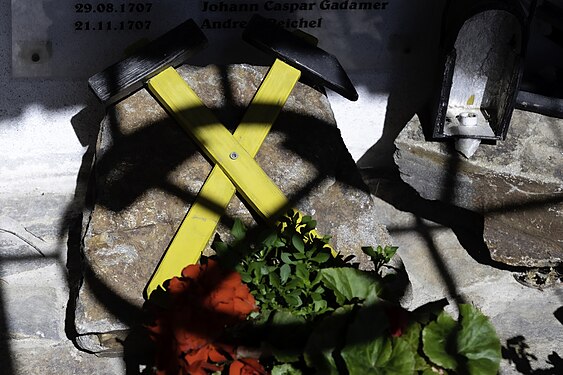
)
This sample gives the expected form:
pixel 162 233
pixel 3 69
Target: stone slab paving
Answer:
pixel 35 357
pixel 33 326
pixel 439 267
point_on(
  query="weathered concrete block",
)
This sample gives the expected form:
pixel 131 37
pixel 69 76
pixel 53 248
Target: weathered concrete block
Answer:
pixel 516 185
pixel 148 172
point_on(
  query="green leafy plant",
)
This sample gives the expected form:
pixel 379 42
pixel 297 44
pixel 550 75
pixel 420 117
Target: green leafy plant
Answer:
pixel 318 312
pixel 470 345
pixel 282 268
pixel 380 256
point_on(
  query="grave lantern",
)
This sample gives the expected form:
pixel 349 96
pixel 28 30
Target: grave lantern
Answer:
pixel 483 45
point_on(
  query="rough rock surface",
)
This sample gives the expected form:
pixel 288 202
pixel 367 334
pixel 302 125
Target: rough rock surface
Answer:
pixel 517 185
pixel 147 172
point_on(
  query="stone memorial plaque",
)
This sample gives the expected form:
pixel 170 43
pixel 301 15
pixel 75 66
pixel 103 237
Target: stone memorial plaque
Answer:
pixel 356 32
pixel 76 38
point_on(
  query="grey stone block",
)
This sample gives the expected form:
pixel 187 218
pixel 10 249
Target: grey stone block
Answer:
pixel 516 185
pixel 32 358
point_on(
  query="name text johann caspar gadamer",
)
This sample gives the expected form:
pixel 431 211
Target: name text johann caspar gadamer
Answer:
pixel 284 8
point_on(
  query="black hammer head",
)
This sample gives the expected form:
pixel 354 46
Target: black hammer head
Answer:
pixel 313 62
pixel 130 74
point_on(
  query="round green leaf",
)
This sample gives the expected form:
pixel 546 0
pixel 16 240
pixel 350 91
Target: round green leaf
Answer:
pixel 473 339
pixel 323 341
pixel 478 342
pixel 367 346
pixel 348 283
pixel 437 339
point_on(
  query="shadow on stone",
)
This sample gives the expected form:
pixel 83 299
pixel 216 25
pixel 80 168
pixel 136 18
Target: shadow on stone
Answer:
pixel 559 314
pixel 5 352
pixel 516 352
pixel 466 224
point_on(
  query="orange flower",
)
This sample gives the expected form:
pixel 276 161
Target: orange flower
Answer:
pixel 246 366
pixel 203 360
pixel 204 300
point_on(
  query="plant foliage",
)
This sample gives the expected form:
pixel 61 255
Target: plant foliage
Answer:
pixel 470 345
pixel 282 268
pixel 313 312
